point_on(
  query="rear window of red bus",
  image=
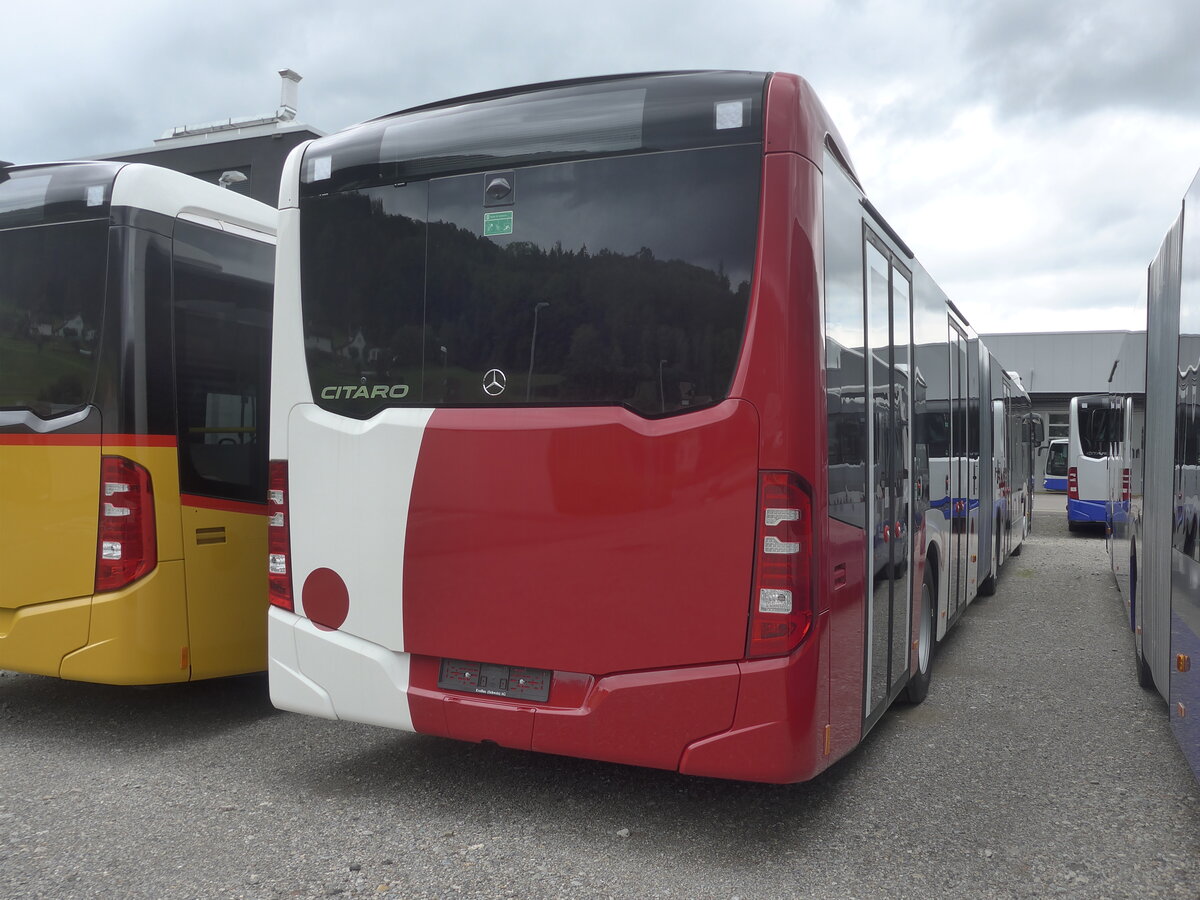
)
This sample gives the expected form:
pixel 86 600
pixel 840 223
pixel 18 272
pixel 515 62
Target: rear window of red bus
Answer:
pixel 587 244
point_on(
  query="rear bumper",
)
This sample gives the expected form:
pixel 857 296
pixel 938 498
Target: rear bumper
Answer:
pixel 134 636
pixel 35 639
pixel 1055 483
pixel 1087 511
pixel 758 720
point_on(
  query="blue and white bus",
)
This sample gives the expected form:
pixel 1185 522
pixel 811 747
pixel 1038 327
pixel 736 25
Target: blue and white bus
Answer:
pixel 1094 426
pixel 1055 478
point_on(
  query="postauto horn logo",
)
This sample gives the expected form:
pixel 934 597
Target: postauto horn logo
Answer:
pixel 363 392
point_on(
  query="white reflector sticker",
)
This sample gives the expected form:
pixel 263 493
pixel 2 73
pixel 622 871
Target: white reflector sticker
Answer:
pixel 775 545
pixel 771 600
pixel 730 114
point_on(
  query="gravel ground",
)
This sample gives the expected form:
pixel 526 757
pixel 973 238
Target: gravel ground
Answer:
pixel 1035 768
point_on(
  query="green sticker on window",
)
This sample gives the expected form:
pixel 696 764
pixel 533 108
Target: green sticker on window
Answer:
pixel 497 223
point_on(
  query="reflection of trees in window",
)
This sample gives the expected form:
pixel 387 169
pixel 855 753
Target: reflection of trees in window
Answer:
pixel 1099 428
pixel 222 309
pixel 51 301
pixel 438 306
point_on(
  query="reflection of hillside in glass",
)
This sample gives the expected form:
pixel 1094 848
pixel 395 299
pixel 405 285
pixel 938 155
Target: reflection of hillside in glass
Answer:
pixel 390 300
pixel 51 301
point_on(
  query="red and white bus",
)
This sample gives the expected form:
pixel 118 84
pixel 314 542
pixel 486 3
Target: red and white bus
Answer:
pixel 601 426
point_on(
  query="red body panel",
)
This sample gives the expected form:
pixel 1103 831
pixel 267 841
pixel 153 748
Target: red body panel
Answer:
pixel 596 541
pixel 642 719
pixel 777 734
pixel 846 557
pixel 668 507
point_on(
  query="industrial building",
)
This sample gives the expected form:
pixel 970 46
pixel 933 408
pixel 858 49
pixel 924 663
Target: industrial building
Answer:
pixel 1056 366
pixel 245 155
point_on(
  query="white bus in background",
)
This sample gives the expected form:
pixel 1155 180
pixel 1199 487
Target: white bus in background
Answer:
pixel 1055 478
pixel 1094 427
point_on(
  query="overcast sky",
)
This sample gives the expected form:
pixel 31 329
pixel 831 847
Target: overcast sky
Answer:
pixel 1033 153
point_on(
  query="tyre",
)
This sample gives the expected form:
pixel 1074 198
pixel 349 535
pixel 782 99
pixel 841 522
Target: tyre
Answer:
pixel 987 587
pixel 918 683
pixel 1144 676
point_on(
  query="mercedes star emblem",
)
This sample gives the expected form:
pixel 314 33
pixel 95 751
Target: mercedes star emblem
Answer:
pixel 494 382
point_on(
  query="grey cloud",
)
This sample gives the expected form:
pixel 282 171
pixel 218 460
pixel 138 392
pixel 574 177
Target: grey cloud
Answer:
pixel 1074 58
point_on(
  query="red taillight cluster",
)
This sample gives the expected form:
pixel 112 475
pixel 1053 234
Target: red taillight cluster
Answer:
pixel 279 536
pixel 781 606
pixel 126 547
pixel 1125 486
pixel 1072 483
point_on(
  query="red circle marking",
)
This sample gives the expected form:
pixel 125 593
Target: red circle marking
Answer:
pixel 326 600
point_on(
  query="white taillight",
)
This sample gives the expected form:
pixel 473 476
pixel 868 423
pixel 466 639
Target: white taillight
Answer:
pixel 774 600
pixel 110 510
pixel 774 516
pixel 278 537
pixel 110 549
pixel 774 545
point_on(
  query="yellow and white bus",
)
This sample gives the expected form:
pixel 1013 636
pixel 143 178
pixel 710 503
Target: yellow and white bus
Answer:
pixel 135 310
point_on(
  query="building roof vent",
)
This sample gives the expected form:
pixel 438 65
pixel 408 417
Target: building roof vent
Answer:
pixel 288 94
pixel 284 115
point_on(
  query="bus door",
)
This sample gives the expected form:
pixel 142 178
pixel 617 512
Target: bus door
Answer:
pixel 1003 445
pixel 959 470
pixel 889 612
pixel 222 314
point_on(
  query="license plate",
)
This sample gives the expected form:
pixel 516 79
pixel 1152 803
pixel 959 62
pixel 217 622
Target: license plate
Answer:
pixel 513 682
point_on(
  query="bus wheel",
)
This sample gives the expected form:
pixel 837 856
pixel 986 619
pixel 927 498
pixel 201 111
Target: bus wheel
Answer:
pixel 918 684
pixel 1144 676
pixel 987 587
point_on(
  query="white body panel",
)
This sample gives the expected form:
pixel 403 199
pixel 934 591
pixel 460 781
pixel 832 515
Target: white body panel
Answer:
pixel 289 370
pixel 173 194
pixel 362 514
pixel 335 675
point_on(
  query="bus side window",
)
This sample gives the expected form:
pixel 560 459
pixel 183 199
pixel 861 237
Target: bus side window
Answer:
pixel 222 314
